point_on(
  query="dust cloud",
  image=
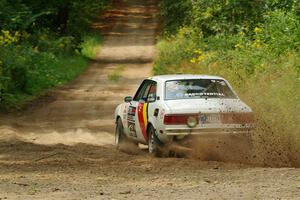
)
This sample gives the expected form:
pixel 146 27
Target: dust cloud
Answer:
pixel 52 138
pixel 260 148
pixel 224 148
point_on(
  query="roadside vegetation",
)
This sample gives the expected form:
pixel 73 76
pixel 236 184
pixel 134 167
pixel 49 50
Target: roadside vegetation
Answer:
pixel 253 44
pixel 44 44
pixel 116 74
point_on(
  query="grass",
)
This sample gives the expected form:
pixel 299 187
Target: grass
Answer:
pixel 90 45
pixel 116 74
pixel 62 70
pixel 46 70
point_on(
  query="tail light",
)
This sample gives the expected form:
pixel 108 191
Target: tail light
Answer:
pixel 179 119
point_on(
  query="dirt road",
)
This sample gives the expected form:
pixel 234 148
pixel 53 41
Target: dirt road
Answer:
pixel 61 147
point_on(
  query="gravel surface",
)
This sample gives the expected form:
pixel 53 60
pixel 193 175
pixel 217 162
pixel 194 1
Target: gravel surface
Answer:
pixel 61 146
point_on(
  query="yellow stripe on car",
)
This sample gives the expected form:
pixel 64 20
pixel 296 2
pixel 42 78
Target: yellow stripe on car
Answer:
pixel 145 114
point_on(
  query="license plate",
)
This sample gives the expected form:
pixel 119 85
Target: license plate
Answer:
pixel 210 118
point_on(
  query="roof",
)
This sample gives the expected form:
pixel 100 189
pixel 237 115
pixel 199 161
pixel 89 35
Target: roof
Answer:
pixel 183 76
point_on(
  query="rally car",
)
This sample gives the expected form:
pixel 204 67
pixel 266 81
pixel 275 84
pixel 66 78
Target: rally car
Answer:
pixel 170 108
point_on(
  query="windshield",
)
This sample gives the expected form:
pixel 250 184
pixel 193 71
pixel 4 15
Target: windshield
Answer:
pixel 197 88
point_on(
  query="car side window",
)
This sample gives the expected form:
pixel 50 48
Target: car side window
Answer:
pixel 142 91
pixel 152 93
pixel 146 92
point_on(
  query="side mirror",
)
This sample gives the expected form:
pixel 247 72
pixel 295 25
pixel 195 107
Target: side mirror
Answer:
pixel 128 99
pixel 151 98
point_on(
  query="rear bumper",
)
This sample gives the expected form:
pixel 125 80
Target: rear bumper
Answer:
pixel 202 131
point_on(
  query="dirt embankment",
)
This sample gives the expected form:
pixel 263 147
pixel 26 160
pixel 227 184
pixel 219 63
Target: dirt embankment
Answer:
pixel 62 147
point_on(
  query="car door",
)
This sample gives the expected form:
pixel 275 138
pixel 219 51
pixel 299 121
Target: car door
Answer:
pixel 138 111
pixel 143 108
pixel 152 108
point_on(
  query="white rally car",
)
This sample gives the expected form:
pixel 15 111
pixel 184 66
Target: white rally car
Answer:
pixel 171 108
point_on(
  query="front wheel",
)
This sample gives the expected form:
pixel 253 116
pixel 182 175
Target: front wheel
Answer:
pixel 154 145
pixel 120 137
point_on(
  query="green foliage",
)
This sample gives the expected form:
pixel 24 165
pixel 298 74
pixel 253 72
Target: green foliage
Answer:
pixel 67 16
pixel 116 74
pixel 41 78
pixel 90 45
pixel 82 13
pixel 280 32
pixel 212 17
pixel 174 20
pixel 32 72
pixel 43 44
pixel 13 15
pixel 254 45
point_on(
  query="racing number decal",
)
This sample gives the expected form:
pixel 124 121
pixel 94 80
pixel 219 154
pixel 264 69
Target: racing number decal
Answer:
pixel 143 118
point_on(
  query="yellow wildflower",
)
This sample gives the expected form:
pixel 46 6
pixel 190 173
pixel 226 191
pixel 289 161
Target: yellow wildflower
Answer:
pixel 242 33
pixel 199 57
pixel 238 46
pixel 257 44
pixel 7 38
pixel 257 30
pixel 193 60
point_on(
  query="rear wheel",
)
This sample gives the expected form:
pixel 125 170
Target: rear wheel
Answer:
pixel 154 145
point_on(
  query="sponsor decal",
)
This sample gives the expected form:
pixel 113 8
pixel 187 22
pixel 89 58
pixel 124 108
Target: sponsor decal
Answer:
pixel 204 94
pixel 131 121
pixel 162 114
pixel 131 127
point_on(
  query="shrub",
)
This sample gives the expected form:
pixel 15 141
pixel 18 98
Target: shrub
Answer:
pixel 90 44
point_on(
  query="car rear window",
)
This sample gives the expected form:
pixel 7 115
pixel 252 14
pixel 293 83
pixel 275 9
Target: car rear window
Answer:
pixel 197 88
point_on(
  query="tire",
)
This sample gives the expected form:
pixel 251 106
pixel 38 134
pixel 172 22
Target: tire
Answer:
pixel 154 145
pixel 120 137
